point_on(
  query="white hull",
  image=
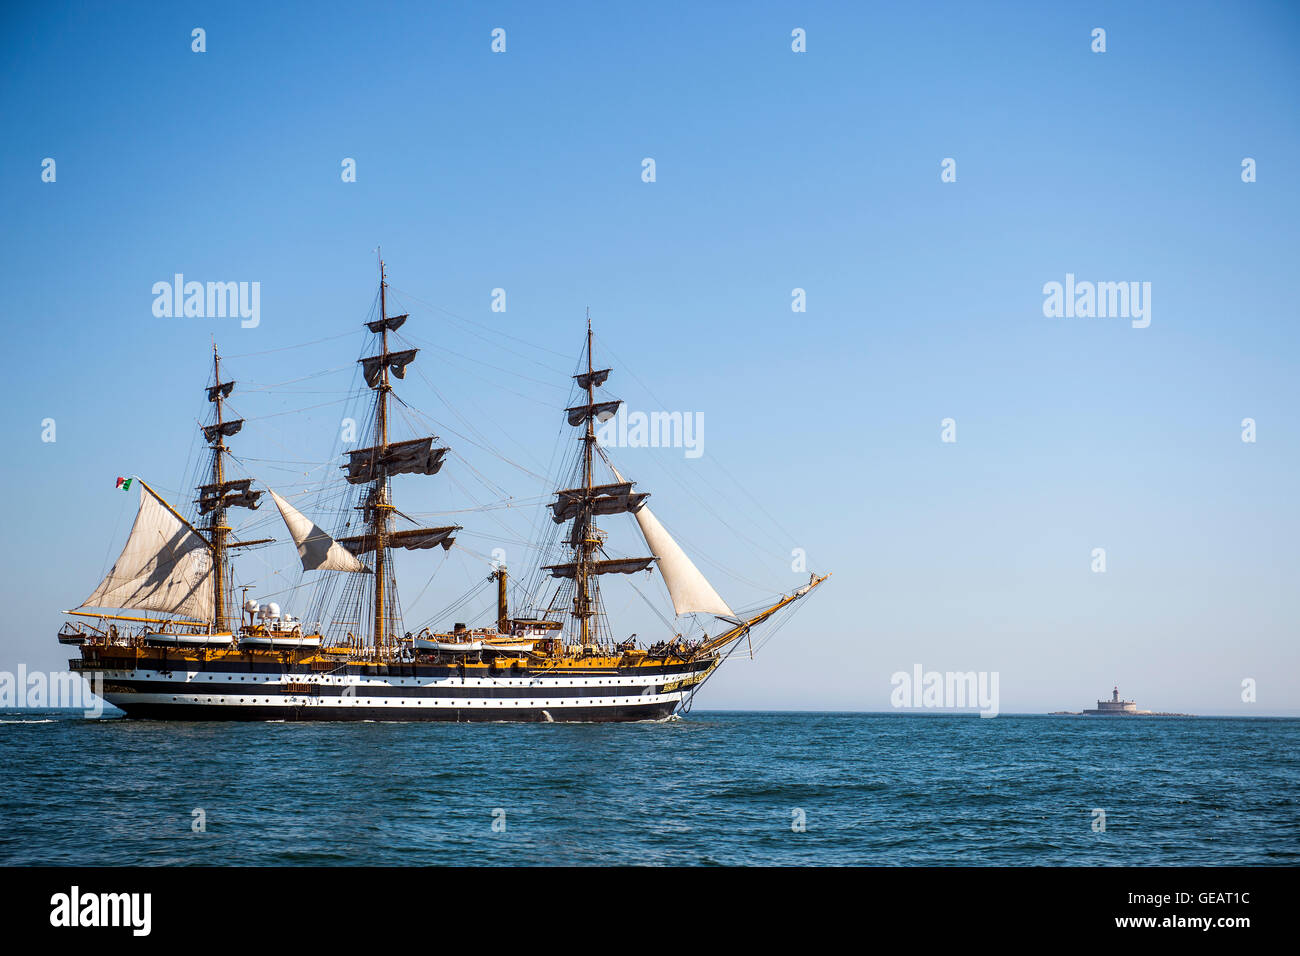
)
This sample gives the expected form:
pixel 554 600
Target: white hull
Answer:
pixel 351 697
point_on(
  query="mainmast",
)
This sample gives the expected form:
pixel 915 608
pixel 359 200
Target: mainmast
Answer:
pixel 374 466
pixel 379 505
pixel 216 498
pixel 582 604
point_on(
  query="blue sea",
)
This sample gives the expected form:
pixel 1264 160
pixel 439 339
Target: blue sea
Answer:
pixel 714 788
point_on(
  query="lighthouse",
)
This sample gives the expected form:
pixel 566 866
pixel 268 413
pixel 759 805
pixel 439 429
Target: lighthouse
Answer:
pixel 1115 705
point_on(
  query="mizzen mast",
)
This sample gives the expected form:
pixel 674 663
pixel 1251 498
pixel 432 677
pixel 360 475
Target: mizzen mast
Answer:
pixel 220 495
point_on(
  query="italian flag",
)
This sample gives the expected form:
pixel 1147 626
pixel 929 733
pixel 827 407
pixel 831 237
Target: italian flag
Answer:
pixel 123 483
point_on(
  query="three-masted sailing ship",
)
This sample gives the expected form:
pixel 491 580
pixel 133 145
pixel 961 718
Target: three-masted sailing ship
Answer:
pixel 202 657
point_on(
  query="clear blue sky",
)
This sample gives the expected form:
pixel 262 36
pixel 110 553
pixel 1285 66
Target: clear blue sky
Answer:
pixel 775 170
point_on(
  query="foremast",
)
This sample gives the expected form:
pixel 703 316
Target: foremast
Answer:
pixel 590 541
pixel 584 502
pixel 689 590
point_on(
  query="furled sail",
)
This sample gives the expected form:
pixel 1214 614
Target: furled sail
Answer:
pixel 594 379
pixel 225 429
pixel 391 324
pixel 601 411
pixel 225 487
pixel 610 499
pixel 690 591
pixel 318 551
pixel 224 390
pixel 613 566
pixel 229 494
pixel 413 539
pixel 164 567
pixel 416 457
pixel 373 365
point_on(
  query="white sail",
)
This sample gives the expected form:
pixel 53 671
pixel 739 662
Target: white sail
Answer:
pixel 318 551
pixel 163 567
pixel 690 590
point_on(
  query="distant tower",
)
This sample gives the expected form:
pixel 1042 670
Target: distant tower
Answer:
pixel 1116 705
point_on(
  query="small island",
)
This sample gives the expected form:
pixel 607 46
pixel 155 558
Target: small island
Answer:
pixel 1115 707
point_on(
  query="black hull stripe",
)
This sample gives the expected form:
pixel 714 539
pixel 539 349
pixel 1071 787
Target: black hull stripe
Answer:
pixel 361 691
pixel 559 715
pixel 422 671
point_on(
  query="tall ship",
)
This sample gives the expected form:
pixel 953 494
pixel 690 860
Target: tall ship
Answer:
pixel 166 636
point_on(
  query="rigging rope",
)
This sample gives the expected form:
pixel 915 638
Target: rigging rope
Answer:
pixel 286 348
